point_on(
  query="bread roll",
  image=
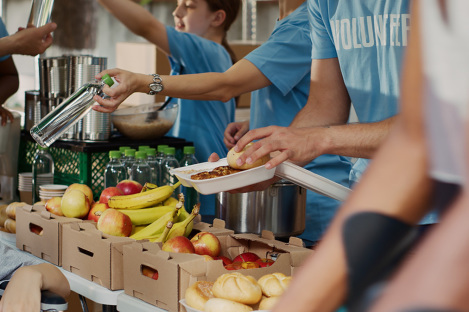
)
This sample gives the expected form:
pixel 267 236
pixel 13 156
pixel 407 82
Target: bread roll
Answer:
pixel 10 225
pixel 225 305
pixel 268 303
pixel 233 156
pixel 11 209
pixel 274 284
pixel 198 294
pixel 237 287
pixel 3 214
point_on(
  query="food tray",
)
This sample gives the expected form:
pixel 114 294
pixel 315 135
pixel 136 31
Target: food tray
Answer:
pixel 220 184
pixel 311 181
pixel 190 309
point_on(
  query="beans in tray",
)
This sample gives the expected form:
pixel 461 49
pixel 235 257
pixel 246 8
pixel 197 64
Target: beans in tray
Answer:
pixel 215 173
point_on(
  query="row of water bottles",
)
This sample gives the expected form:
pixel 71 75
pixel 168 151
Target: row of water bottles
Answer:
pixel 150 165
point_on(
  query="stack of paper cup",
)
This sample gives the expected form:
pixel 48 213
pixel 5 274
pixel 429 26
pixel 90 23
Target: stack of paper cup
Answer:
pixel 47 191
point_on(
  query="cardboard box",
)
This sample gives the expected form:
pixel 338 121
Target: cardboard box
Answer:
pixel 176 272
pixel 40 232
pixel 93 255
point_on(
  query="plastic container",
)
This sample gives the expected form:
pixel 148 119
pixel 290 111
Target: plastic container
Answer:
pixel 191 195
pixel 169 163
pixel 122 150
pixel 141 171
pixel 70 111
pixel 154 165
pixel 160 158
pixel 43 171
pixel 129 161
pixel 115 170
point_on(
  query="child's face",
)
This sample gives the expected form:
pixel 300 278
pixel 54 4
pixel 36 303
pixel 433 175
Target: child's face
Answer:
pixel 192 16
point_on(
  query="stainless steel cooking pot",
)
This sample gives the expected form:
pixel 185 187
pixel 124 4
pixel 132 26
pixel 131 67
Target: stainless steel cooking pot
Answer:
pixel 280 209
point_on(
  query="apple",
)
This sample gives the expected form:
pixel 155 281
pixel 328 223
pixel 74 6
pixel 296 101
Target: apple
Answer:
pixel 83 188
pixel 53 205
pixel 36 229
pixel 96 211
pixel 225 260
pixel 75 204
pixel 250 265
pixel 109 192
pixel 264 262
pixel 207 257
pixel 150 272
pixel 114 222
pixel 246 257
pixel 179 244
pixel 206 243
pixel 129 187
pixel 234 266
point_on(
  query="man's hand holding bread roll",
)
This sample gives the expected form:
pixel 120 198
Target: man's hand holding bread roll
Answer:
pixel 233 156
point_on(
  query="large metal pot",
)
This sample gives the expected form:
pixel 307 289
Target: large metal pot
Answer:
pixel 280 209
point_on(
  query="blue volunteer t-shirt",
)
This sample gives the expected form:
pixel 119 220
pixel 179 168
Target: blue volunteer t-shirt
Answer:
pixel 201 122
pixel 3 33
pixel 369 39
pixel 285 59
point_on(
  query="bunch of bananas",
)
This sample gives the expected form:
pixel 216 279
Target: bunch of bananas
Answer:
pixel 156 215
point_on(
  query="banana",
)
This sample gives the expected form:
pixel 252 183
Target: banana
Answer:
pixel 163 235
pixel 157 227
pixel 148 186
pixel 179 229
pixel 170 201
pixel 136 229
pixel 146 215
pixel 142 200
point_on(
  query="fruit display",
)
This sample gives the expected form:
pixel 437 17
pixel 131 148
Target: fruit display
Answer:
pixel 237 292
pixel 114 223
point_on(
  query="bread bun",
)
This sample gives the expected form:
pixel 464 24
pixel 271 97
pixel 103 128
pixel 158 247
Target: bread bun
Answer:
pixel 274 284
pixel 268 303
pixel 233 156
pixel 225 305
pixel 11 209
pixel 198 294
pixel 237 287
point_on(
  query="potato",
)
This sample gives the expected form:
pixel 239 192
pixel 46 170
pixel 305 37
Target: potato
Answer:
pixel 233 156
pixel 10 225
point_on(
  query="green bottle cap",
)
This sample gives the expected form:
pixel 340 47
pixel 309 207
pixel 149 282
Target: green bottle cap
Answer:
pixel 123 148
pixel 161 148
pixel 141 155
pixel 130 152
pixel 170 151
pixel 107 80
pixel 42 148
pixel 143 147
pixel 189 149
pixel 115 154
pixel 151 151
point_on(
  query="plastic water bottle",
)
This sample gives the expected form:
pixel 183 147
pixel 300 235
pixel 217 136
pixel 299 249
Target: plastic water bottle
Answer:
pixel 170 162
pixel 43 170
pixel 129 161
pixel 191 196
pixel 70 111
pixel 141 171
pixel 160 155
pixel 122 150
pixel 115 170
pixel 143 148
pixel 154 165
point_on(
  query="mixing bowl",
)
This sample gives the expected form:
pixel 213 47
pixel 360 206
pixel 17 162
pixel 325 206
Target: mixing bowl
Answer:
pixel 145 121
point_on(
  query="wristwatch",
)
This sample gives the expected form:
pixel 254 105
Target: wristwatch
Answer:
pixel 156 86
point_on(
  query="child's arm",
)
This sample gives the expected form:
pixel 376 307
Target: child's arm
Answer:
pixel 138 20
pixel 23 292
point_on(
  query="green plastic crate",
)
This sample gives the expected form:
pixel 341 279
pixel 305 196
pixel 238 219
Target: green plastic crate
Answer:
pixel 81 162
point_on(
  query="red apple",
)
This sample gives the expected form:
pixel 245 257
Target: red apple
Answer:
pixel 179 244
pixel 53 205
pixel 246 257
pixel 250 265
pixel 96 211
pixel 83 188
pixel 225 260
pixel 114 222
pixel 36 229
pixel 109 192
pixel 129 187
pixel 263 262
pixel 234 266
pixel 150 272
pixel 75 204
pixel 207 258
pixel 206 243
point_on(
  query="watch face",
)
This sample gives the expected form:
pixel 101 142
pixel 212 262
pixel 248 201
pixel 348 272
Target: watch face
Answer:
pixel 156 87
